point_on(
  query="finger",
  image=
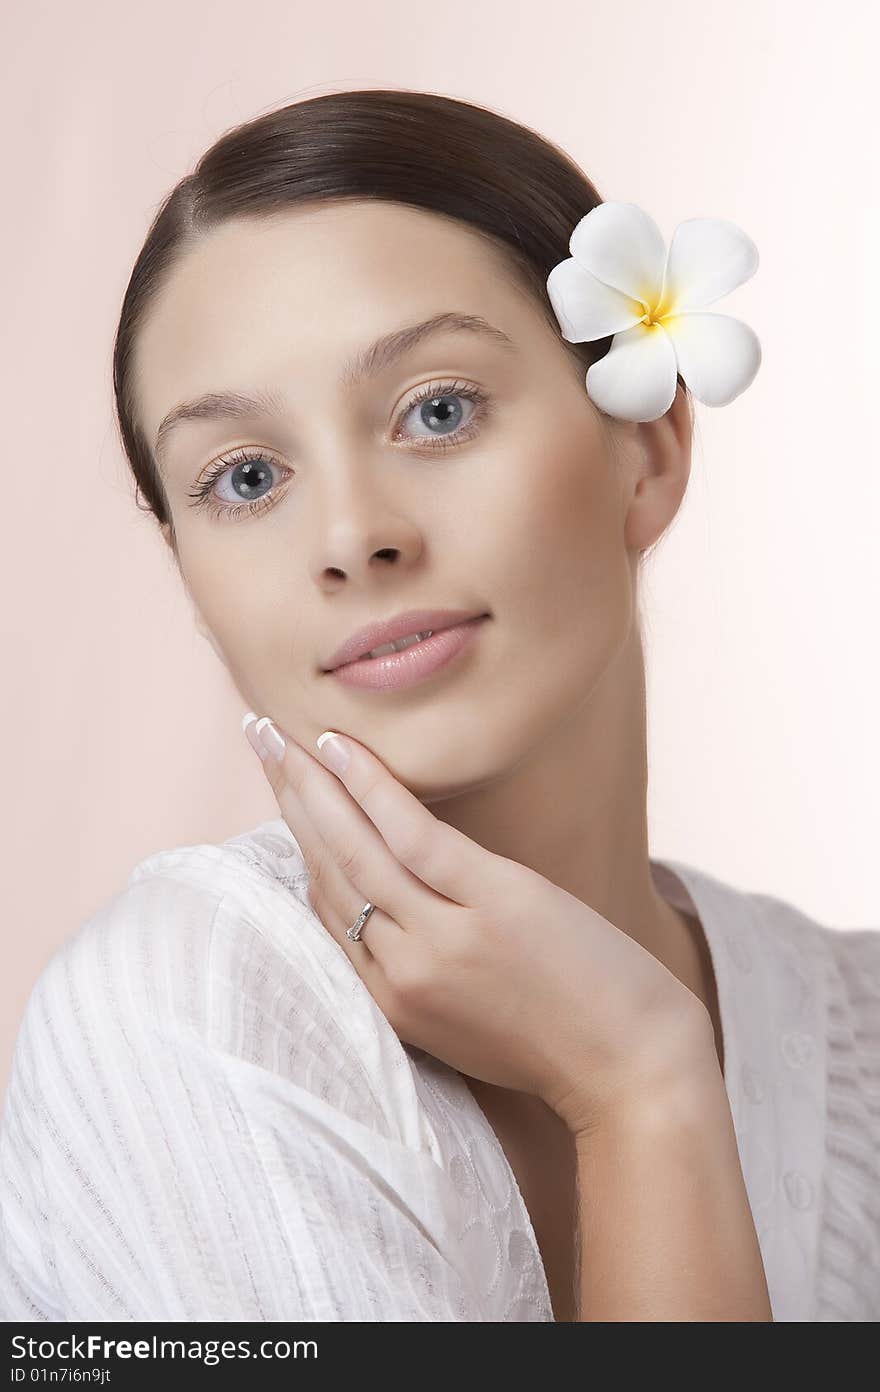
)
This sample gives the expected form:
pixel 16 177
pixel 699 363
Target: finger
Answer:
pixel 361 852
pixel 322 868
pixel 438 854
pixel 338 903
pixel 333 898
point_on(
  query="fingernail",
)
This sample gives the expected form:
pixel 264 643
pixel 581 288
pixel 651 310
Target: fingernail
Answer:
pixel 334 751
pixel 248 724
pixel 269 737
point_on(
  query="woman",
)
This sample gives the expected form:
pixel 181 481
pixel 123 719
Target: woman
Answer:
pixel 543 1075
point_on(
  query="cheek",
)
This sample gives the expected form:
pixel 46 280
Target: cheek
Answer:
pixel 547 543
pixel 242 624
pixel 561 530
pixel 559 577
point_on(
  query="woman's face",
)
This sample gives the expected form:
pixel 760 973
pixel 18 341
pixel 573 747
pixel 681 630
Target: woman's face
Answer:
pixel 364 502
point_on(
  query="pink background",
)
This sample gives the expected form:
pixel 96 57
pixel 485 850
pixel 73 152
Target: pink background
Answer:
pixel 121 729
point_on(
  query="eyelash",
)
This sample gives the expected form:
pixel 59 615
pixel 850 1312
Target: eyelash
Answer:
pixel 231 511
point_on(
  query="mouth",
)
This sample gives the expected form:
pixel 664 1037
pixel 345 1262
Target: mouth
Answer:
pixel 394 634
pixel 412 664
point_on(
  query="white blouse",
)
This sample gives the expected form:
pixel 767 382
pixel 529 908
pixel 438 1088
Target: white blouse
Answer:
pixel 209 1118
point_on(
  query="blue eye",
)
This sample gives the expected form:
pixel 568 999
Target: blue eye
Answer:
pixel 439 412
pixel 251 470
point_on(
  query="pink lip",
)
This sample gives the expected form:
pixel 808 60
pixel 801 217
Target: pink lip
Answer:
pixel 382 631
pixel 414 664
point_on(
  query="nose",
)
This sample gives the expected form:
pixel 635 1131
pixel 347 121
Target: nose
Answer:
pixel 365 527
pixel 391 554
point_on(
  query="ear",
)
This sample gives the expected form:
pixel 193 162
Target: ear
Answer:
pixel 658 466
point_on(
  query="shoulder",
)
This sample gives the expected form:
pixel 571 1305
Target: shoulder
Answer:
pixel 803 1001
pixel 766 935
pixel 158 944
pixel 843 961
pixel 184 918
pixel 842 967
pixel 848 1266
pixel 854 959
pixel 754 936
pixel 853 1003
pixel 210 960
pixel 198 1069
pixel 804 957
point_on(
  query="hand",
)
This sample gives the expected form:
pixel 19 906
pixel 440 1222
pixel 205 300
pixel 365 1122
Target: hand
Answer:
pixel 474 957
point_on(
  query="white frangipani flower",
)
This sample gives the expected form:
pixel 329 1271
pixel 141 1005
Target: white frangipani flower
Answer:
pixel 619 280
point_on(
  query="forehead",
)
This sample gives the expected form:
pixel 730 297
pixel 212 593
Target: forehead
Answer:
pixel 305 288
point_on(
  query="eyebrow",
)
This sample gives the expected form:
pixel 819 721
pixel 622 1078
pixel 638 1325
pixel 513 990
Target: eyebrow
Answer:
pixel 367 362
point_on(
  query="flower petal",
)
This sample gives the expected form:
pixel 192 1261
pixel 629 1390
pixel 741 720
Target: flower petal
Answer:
pixel 622 245
pixel 587 309
pixel 717 355
pixel 708 257
pixel 636 378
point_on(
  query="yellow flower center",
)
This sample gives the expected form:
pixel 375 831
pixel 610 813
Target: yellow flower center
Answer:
pixel 652 317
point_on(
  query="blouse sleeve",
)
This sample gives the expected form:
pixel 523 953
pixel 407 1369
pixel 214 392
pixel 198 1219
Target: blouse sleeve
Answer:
pixel 849 1238
pixel 190 1132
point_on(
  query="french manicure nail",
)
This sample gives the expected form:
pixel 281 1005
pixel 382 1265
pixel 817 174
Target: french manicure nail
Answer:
pixel 248 724
pixel 270 738
pixel 334 751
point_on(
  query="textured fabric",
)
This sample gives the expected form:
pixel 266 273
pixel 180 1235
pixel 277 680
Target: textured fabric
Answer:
pixel 209 1118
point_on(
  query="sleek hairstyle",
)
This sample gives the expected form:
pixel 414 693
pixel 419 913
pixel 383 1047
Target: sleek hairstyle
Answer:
pixel 451 157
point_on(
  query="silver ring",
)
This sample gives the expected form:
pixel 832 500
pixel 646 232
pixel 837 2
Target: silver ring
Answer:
pixel 354 932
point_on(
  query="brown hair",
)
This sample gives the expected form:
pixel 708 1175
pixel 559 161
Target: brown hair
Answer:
pixel 451 157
